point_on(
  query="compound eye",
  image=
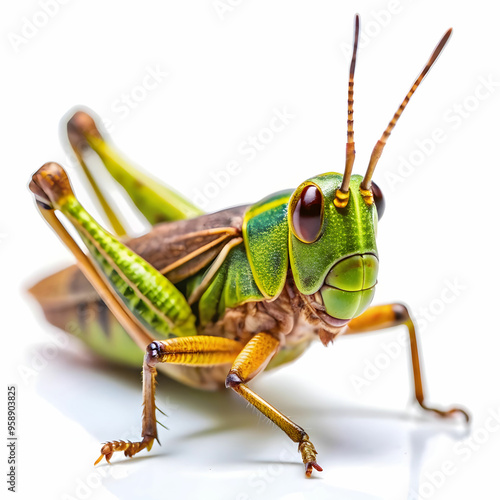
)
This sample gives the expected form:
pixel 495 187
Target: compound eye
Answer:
pixel 379 200
pixel 307 214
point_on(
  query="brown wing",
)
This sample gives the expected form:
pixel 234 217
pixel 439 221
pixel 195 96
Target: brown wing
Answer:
pixel 180 249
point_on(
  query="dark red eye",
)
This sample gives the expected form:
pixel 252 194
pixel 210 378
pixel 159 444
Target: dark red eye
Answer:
pixel 379 200
pixel 307 215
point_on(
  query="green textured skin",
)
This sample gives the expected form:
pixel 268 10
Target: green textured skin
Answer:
pixel 232 285
pixel 346 231
pixel 156 201
pixel 171 315
pixel 265 233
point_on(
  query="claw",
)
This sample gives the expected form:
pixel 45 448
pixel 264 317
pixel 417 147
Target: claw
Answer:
pixel 106 451
pixel 448 413
pixel 463 412
pixel 309 468
pixel 308 453
pixel 129 448
pixel 452 411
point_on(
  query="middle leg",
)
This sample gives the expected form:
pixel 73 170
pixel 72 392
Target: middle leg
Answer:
pixel 250 362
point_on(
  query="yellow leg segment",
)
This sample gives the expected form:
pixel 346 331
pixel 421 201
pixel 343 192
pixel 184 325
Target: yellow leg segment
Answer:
pixel 387 316
pixel 194 351
pixel 251 361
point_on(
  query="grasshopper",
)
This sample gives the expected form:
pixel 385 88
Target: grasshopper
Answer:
pixel 214 299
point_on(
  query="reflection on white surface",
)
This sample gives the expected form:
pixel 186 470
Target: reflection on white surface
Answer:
pixel 219 447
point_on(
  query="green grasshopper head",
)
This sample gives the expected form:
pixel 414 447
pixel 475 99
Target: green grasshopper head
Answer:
pixel 333 250
pixel 332 221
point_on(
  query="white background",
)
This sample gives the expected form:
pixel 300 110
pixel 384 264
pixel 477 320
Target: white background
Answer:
pixel 226 74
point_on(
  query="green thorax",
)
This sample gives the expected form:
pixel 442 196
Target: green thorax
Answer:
pixel 254 270
pixel 232 285
pixel 265 233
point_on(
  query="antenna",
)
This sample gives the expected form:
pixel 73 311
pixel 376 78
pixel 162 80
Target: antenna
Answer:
pixel 342 194
pixel 379 147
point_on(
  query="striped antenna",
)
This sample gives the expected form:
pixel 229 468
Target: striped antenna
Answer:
pixel 377 150
pixel 342 194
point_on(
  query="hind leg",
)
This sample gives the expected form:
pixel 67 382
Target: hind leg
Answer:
pixel 139 296
pixel 153 199
pixel 135 292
